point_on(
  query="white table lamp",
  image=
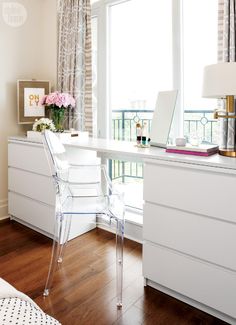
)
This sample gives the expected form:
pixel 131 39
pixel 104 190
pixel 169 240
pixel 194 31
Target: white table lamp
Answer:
pixel 219 81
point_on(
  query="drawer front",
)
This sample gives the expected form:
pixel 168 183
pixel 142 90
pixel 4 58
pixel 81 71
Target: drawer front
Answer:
pixel 28 157
pixel 208 284
pixel 206 238
pixel 32 185
pixel 35 213
pixel 204 192
pixel 41 216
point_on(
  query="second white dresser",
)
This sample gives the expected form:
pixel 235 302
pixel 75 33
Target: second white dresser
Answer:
pixel 31 193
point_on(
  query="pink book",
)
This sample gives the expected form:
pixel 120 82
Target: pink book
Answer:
pixel 194 153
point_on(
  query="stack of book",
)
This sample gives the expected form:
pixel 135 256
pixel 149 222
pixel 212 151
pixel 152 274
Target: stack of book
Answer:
pixel 201 150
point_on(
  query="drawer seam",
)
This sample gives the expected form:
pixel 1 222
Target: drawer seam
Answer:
pixel 188 211
pixel 28 197
pixel 229 270
pixel 27 171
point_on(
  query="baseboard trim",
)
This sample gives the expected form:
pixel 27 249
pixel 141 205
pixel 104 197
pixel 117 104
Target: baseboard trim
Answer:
pixel 3 209
pixel 4 218
pixel 132 231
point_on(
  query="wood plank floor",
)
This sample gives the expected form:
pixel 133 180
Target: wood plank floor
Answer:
pixel 84 286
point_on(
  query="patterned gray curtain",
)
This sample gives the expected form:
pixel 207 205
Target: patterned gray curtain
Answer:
pixel 227 53
pixel 74 73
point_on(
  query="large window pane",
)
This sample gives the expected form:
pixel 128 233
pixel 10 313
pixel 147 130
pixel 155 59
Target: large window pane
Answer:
pixel 140 66
pixel 140 53
pixel 199 49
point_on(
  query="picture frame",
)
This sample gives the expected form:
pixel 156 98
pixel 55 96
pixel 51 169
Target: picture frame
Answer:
pixel 29 94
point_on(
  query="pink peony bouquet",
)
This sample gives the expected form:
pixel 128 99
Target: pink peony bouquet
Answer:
pixel 57 103
pixel 58 100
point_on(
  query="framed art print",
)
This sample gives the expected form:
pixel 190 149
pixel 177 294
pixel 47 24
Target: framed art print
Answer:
pixel 29 95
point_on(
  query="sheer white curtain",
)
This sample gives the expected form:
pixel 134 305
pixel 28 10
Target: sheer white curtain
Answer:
pixel 75 59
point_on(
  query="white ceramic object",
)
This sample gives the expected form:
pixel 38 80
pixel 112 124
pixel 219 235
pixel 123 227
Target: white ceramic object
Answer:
pixel 64 136
pixel 34 136
pixel 180 142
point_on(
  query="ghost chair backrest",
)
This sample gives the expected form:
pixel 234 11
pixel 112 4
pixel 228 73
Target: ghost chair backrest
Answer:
pixel 56 155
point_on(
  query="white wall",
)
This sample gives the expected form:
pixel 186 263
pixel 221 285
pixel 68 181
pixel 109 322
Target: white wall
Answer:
pixel 27 51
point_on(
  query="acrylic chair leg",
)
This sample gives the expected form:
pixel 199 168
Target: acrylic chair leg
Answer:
pixel 55 252
pixel 119 260
pixel 65 237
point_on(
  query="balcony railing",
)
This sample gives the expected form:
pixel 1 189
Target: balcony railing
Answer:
pixel 124 128
pixel 201 124
pixel 124 123
pixel 198 123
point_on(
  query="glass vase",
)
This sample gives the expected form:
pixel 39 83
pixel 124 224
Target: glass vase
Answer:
pixel 58 115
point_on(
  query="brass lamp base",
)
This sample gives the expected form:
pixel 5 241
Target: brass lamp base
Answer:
pixel 230 114
pixel 228 152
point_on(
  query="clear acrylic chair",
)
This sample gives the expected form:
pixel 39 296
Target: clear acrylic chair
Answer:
pixel 80 191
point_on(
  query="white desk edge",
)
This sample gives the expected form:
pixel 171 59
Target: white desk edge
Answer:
pixel 127 151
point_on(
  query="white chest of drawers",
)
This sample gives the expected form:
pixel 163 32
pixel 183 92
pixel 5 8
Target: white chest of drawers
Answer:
pixel 189 234
pixel 31 194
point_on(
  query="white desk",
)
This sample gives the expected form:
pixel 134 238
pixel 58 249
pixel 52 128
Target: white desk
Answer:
pixel 189 227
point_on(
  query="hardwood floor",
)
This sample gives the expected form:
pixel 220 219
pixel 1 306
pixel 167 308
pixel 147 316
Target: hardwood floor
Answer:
pixel 84 286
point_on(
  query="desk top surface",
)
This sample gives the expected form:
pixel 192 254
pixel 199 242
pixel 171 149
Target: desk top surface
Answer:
pixel 130 152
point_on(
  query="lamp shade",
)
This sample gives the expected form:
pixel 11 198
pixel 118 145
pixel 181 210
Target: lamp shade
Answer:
pixel 219 80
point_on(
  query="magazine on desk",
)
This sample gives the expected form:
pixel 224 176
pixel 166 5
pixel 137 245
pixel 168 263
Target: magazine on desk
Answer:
pixel 201 150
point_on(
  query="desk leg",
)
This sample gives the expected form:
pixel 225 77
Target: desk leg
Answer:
pixel 104 161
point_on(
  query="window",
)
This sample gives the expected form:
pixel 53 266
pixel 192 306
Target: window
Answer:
pixel 145 47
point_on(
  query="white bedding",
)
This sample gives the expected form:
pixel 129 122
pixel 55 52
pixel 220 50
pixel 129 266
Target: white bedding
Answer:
pixel 18 309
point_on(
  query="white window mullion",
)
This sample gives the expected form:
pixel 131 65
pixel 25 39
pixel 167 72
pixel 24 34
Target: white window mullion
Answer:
pixel 178 120
pixel 102 70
